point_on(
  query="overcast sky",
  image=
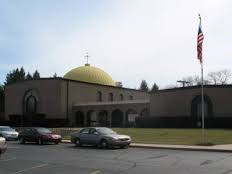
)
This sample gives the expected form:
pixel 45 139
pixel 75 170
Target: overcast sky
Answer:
pixel 130 39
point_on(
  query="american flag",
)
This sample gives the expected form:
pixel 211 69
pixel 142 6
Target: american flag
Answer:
pixel 200 39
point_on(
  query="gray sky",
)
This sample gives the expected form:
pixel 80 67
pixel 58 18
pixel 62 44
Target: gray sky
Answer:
pixel 130 39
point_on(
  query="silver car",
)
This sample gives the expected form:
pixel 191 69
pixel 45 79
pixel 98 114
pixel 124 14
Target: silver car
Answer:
pixel 100 136
pixel 3 145
pixel 8 133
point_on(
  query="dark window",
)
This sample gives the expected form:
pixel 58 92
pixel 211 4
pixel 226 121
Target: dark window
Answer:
pixel 121 97
pixel 92 130
pixel 31 104
pixel 131 97
pixel 110 97
pixel 85 131
pixel 99 96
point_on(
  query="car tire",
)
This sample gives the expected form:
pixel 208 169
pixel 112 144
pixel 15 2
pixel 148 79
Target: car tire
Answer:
pixel 104 144
pixel 22 140
pixel 40 141
pixel 77 142
pixel 57 142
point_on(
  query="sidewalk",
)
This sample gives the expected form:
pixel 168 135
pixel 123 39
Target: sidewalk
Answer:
pixel 215 148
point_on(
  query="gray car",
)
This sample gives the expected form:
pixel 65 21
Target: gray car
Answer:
pixel 8 133
pixel 3 145
pixel 100 136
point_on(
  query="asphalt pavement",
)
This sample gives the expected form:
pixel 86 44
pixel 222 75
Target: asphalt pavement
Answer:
pixel 67 159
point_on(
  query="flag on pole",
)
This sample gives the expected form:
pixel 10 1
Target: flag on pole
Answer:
pixel 200 39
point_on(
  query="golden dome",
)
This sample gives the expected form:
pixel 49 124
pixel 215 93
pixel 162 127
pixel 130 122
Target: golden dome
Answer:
pixel 90 74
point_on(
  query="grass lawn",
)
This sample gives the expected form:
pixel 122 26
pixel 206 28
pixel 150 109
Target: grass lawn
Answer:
pixel 174 136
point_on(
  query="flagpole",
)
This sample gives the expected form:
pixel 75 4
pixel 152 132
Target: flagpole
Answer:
pixel 202 104
pixel 202 97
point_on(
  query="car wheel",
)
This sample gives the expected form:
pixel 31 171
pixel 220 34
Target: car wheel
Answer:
pixel 57 142
pixel 78 142
pixel 40 141
pixel 21 140
pixel 104 144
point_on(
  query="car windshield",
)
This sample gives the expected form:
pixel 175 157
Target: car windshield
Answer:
pixel 6 129
pixel 43 130
pixel 105 131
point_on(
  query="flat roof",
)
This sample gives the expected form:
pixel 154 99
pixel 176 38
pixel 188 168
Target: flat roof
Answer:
pixel 76 81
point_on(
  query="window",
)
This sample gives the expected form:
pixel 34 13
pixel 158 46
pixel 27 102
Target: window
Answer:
pixel 121 97
pixel 110 97
pixel 85 131
pixel 92 131
pixel 31 104
pixel 130 97
pixel 99 96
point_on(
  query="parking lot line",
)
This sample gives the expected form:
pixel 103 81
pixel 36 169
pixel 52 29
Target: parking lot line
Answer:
pixel 25 170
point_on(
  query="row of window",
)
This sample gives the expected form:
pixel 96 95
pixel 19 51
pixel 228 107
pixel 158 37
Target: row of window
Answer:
pixel 111 97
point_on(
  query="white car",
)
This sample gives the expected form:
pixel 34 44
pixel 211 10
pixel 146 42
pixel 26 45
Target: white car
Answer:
pixel 8 133
pixel 3 145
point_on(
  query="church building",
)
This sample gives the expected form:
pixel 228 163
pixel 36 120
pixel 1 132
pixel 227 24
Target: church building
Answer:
pixel 85 96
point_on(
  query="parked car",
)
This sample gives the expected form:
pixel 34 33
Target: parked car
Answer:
pixel 8 133
pixel 100 136
pixel 39 135
pixel 3 145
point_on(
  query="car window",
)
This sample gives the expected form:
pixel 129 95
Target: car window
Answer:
pixel 42 130
pixel 105 131
pixel 6 129
pixel 92 130
pixel 84 131
pixel 27 130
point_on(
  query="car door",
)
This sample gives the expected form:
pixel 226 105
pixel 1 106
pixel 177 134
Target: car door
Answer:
pixel 26 134
pixel 34 135
pixel 84 136
pixel 93 136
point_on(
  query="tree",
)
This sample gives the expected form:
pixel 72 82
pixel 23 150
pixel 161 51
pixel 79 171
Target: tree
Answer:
pixel 2 98
pixel 154 88
pixel 28 76
pixel 220 77
pixel 36 75
pixel 15 76
pixel 144 86
pixel 55 75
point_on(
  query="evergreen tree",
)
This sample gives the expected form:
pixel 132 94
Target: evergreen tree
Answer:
pixel 36 75
pixel 2 99
pixel 154 88
pixel 144 86
pixel 28 76
pixel 55 75
pixel 15 76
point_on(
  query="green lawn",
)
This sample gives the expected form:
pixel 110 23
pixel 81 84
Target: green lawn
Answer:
pixel 173 136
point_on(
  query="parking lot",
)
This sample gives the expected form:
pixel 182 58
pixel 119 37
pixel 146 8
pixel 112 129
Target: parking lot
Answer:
pixel 67 159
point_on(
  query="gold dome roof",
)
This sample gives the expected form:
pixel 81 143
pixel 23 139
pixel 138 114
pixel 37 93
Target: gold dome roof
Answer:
pixel 90 74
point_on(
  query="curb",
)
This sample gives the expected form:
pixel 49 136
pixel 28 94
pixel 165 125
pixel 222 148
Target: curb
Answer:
pixel 185 148
pixel 182 148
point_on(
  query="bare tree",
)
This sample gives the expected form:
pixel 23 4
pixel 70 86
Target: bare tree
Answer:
pixel 220 77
